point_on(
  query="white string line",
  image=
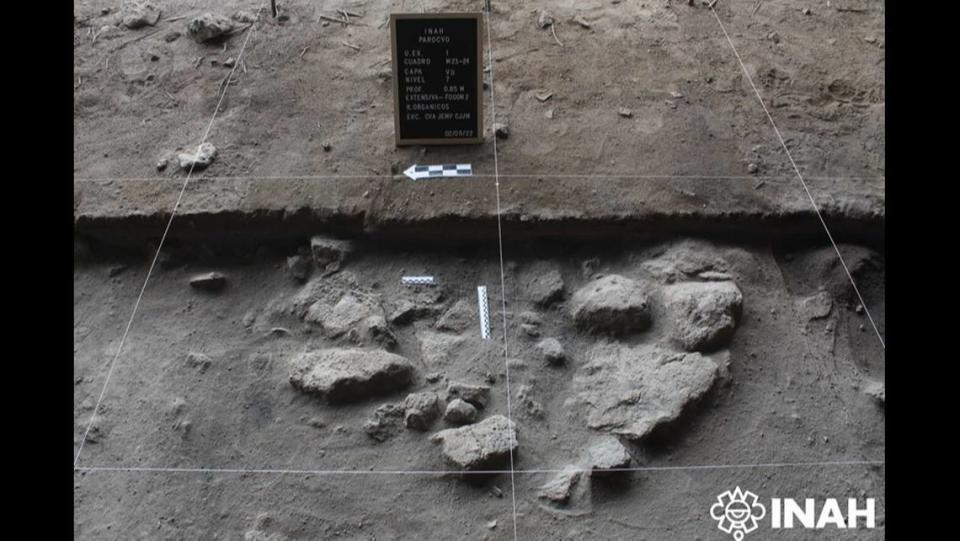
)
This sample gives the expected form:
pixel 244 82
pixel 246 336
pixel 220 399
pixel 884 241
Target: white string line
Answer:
pixel 156 256
pixel 294 177
pixel 274 471
pixel 503 289
pixel 800 176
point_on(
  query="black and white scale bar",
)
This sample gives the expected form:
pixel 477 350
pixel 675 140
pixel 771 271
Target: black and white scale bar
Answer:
pixel 417 280
pixel 484 312
pixel 417 172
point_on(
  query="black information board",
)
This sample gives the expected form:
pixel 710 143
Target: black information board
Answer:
pixel 437 73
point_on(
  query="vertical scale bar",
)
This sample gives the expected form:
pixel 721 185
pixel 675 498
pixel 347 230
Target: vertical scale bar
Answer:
pixel 484 312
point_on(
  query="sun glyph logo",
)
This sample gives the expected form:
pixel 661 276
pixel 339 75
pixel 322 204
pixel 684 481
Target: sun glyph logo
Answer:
pixel 737 512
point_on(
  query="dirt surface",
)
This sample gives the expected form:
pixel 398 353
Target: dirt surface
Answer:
pixel 693 111
pixel 799 398
pixel 200 433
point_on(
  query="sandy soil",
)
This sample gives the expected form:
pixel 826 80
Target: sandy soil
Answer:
pixel 796 398
pixel 301 88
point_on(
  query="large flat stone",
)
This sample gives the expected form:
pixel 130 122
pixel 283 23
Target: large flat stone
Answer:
pixel 629 391
pixel 346 375
pixel 487 444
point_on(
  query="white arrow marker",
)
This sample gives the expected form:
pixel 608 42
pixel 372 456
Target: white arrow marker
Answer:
pixel 417 172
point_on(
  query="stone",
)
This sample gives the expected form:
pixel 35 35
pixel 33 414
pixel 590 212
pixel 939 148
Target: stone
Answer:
pixel 374 330
pixel 607 453
pixel 409 311
pixel 139 13
pixel 210 281
pixel 264 529
pixel 551 350
pixel 703 314
pixel 209 26
pixel 299 267
pixel 532 331
pixel 530 323
pixel 816 306
pixel 531 318
pixel 200 159
pixel 877 391
pixel 338 319
pixel 546 288
pixel 544 19
pixel 245 17
pixel 346 375
pixel 421 410
pixel 385 422
pixel 478 395
pixel 460 412
pixel 329 252
pixel 625 113
pixel 485 445
pixel 197 361
pixel 685 259
pixel 630 391
pixel 612 304
pixel 560 489
pixel 458 317
pixel 358 318
pixel 714 276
